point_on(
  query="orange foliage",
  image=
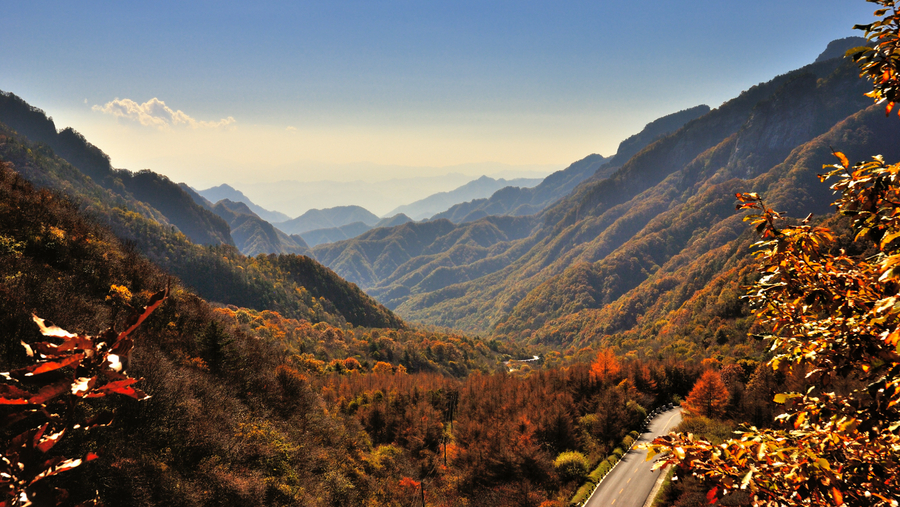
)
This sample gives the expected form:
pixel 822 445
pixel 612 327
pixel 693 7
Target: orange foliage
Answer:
pixel 709 397
pixel 605 367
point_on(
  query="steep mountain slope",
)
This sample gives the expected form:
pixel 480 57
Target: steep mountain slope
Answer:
pixel 651 132
pixel 172 204
pixel 252 235
pixel 528 201
pixel 419 257
pixel 481 188
pixel 685 297
pixel 223 191
pixel 218 273
pixel 744 138
pixel 327 218
pixel 240 411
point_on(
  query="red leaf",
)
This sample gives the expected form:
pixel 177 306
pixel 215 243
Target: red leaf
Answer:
pixel 13 401
pixel 78 342
pixel 10 393
pixel 38 433
pixel 55 365
pixel 711 496
pixel 49 392
pixel 47 443
pixel 119 387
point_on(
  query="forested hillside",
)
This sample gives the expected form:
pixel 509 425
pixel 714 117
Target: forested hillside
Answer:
pixel 172 205
pixel 393 263
pixel 218 273
pixel 252 235
pixel 258 408
pixel 668 210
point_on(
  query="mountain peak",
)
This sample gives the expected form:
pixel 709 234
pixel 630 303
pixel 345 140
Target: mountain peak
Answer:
pixel 837 48
pixel 225 191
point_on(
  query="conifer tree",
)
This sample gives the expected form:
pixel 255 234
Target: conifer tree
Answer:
pixel 709 397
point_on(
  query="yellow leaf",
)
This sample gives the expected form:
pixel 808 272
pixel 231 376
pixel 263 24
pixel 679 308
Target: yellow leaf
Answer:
pixel 843 159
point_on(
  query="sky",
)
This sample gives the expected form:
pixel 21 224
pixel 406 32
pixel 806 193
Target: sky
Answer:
pixel 248 92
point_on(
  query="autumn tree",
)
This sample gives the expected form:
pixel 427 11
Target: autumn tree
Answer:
pixel 835 316
pixel 709 397
pixel 605 367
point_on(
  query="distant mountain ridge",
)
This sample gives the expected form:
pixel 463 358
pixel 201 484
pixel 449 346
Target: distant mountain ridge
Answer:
pixel 253 236
pixel 349 231
pixel 172 205
pixel 653 131
pixel 525 201
pixel 476 189
pixel 295 286
pixel 224 191
pixel 668 209
pixel 327 218
pixel 528 201
pixel 837 48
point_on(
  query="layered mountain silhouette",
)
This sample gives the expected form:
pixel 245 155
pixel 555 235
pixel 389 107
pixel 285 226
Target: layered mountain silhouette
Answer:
pixel 252 235
pixel 633 251
pixel 480 188
pixel 173 206
pixel 216 194
pixel 525 201
pixel 338 216
pixel 528 201
pixel 163 222
pixel 351 230
pixel 642 241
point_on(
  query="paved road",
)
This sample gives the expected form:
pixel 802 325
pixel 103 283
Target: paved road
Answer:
pixel 630 482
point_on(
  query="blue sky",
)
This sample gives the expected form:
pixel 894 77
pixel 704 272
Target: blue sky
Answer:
pixel 384 89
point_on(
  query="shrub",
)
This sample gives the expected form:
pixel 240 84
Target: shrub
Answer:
pixel 600 472
pixel 584 492
pixel 571 465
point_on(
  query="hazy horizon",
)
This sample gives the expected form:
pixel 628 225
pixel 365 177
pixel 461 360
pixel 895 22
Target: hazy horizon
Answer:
pixel 236 93
pixel 294 198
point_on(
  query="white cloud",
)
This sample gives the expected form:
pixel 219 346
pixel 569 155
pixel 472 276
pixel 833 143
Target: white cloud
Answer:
pixel 155 113
pixel 291 128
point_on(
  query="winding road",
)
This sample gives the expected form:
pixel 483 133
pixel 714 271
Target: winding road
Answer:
pixel 631 481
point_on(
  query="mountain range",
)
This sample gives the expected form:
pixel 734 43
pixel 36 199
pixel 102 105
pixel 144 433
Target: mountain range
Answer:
pixel 223 191
pixel 162 221
pixel 639 256
pixel 650 230
pixel 476 189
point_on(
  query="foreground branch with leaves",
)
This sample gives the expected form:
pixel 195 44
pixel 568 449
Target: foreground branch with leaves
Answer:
pixel 45 398
pixel 835 316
